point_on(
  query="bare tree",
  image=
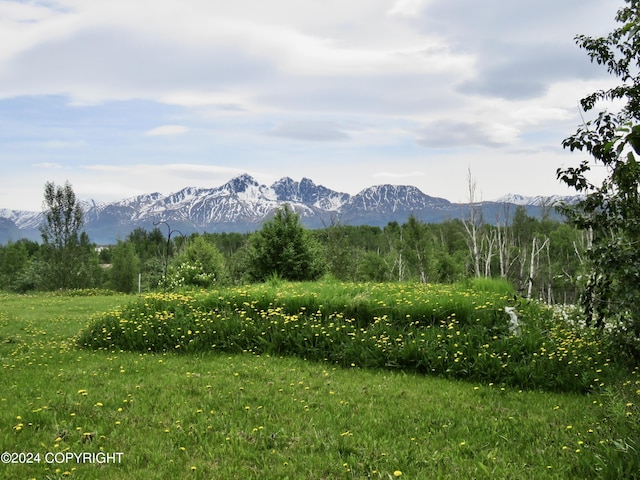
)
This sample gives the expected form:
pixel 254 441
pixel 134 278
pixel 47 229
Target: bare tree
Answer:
pixel 504 240
pixel 472 224
pixel 488 242
pixel 533 263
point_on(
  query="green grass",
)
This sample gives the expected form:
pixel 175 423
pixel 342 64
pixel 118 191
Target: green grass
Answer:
pixel 455 331
pixel 215 415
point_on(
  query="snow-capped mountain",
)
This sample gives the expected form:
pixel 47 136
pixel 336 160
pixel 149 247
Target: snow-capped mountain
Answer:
pixel 242 205
pixel 23 219
pixel 308 193
pixel 537 201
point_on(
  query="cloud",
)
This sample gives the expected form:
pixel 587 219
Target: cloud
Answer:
pixel 524 71
pixel 539 51
pixel 64 143
pixel 369 82
pixel 167 130
pixel 311 130
pixel 407 7
pixel 398 175
pixel 193 55
pixel 460 134
pixel 48 165
pixel 169 169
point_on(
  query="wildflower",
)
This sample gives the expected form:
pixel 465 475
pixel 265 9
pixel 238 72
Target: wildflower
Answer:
pixel 397 473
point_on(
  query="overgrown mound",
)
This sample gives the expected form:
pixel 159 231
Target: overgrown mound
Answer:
pixel 457 331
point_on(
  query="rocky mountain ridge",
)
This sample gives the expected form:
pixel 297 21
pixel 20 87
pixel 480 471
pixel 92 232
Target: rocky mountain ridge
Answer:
pixel 242 205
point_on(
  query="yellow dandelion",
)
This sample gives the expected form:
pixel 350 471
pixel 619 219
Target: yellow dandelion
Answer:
pixel 397 473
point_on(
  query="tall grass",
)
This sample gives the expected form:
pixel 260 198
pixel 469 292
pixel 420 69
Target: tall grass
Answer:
pixel 454 331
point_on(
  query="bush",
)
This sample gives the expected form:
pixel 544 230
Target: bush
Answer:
pixel 200 265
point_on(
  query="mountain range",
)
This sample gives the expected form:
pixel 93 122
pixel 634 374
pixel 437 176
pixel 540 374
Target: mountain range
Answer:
pixel 242 205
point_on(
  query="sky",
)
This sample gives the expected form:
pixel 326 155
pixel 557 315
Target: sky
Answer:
pixel 126 97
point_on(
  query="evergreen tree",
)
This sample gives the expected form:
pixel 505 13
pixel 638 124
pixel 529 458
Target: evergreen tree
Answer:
pixel 284 248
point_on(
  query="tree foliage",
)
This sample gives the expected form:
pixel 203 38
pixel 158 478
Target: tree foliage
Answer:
pixel 284 248
pixel 67 254
pixel 125 267
pixel 610 211
pixel 200 264
pixel 14 259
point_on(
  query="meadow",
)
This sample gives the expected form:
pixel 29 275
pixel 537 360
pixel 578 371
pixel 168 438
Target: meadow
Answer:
pixel 317 381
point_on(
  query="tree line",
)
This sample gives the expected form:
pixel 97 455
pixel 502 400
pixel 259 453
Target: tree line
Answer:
pixel 541 257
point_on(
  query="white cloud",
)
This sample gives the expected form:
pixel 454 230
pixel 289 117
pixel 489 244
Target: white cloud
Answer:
pixel 407 7
pixel 167 130
pixel 399 175
pixel 47 165
pixel 322 89
pixel 461 134
pixel 64 144
pixel 314 130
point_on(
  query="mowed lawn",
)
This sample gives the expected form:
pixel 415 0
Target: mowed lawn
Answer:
pixel 86 414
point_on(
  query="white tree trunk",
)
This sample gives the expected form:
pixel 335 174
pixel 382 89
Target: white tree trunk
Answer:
pixel 472 224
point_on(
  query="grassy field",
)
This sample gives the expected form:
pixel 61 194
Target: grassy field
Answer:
pixel 210 414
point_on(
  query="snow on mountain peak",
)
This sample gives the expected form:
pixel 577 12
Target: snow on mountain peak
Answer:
pixel 242 204
pixel 538 200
